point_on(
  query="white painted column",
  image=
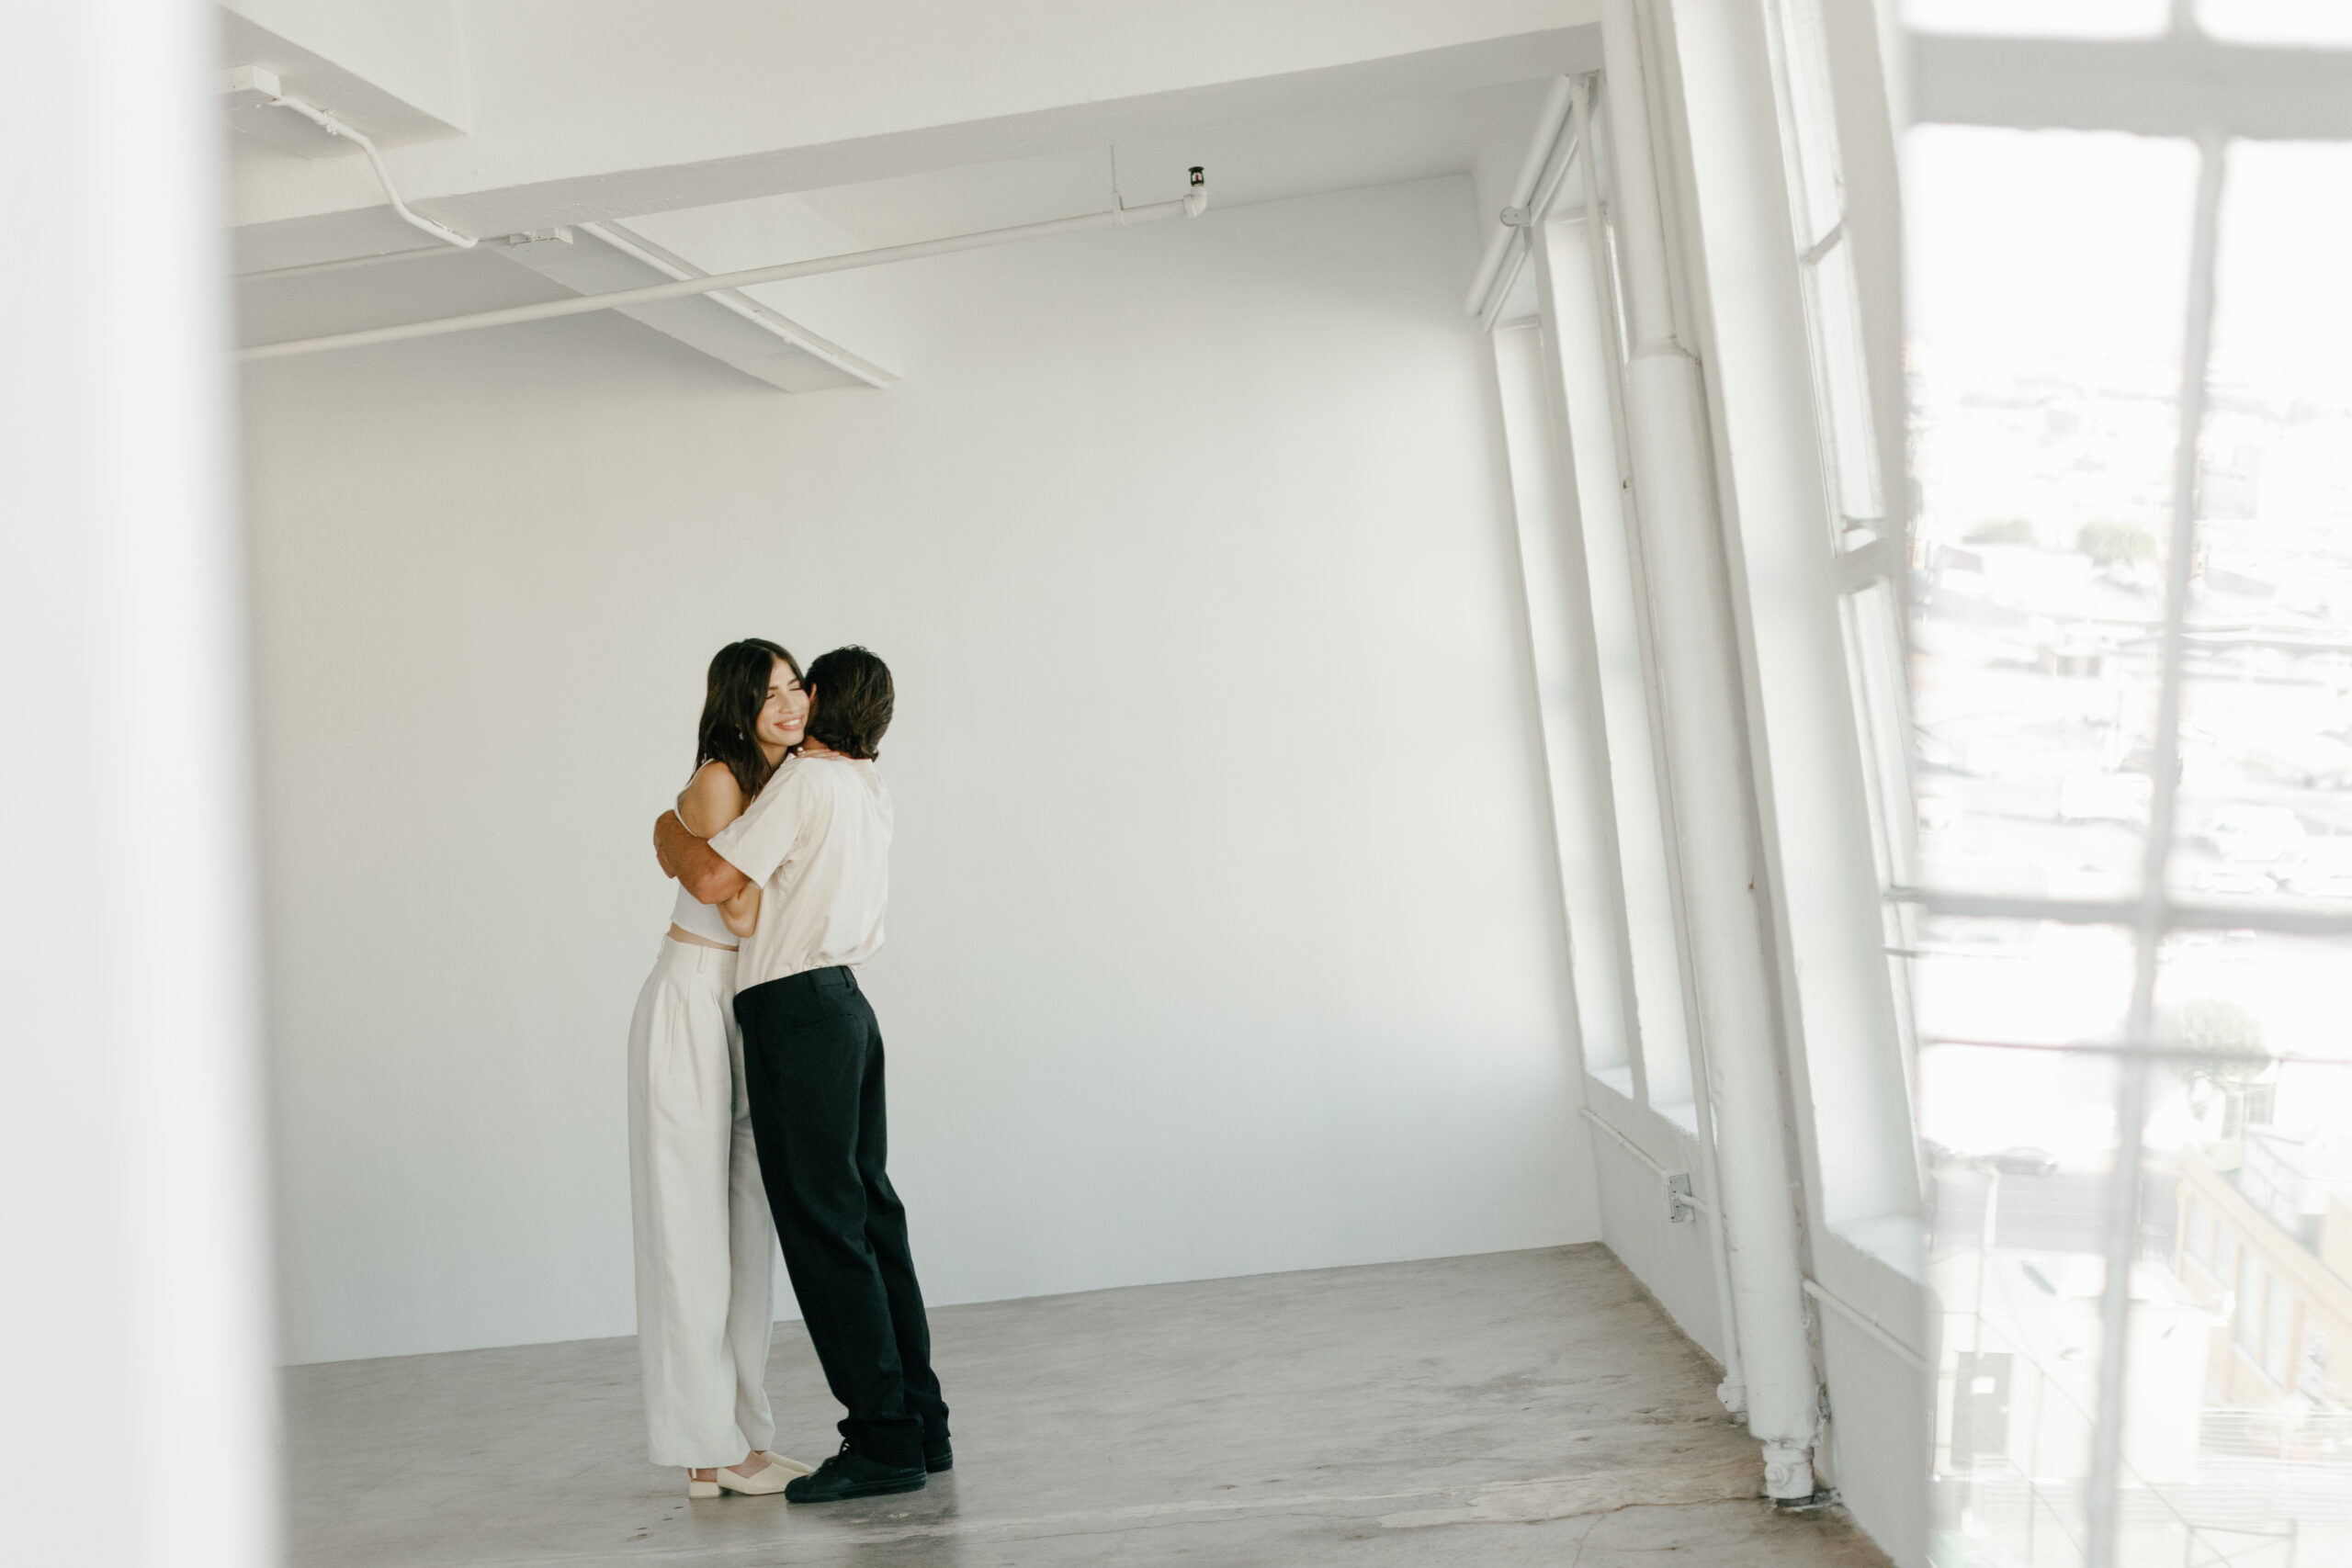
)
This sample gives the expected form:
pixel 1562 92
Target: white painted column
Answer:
pixel 135 1408
pixel 1704 721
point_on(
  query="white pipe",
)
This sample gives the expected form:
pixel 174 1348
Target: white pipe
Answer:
pixel 1733 1390
pixel 750 310
pixel 347 263
pixel 1704 710
pixel 1549 125
pixel 1190 205
pixel 1528 230
pixel 1688 1199
pixel 334 127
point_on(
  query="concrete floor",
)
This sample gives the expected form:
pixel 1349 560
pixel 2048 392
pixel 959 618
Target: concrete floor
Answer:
pixel 1518 1407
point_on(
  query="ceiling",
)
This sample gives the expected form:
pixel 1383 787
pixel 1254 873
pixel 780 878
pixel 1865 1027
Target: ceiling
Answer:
pixel 1248 160
pixel 1479 132
pixel 775 135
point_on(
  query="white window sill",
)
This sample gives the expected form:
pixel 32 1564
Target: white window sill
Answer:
pixel 1619 1080
pixel 1874 1272
pixel 1897 1241
pixel 1682 1113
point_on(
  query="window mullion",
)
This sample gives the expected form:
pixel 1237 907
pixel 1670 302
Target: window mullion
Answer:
pixel 2104 1500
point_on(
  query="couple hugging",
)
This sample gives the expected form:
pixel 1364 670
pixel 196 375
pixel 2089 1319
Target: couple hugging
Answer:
pixel 755 1090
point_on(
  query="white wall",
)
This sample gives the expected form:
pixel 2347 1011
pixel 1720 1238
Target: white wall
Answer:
pixel 1222 938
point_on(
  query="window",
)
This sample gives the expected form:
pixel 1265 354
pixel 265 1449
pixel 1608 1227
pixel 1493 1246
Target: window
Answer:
pixel 2246 1324
pixel 1825 261
pixel 2277 21
pixel 2129 367
pixel 1852 995
pixel 2052 18
pixel 1561 374
pixel 1590 347
pixel 2278 1331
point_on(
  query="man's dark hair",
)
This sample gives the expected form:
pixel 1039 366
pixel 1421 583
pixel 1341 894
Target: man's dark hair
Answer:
pixel 853 696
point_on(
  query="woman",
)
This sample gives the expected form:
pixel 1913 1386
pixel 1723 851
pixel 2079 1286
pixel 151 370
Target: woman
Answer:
pixel 703 1238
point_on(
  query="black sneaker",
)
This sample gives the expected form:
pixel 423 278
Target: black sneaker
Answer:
pixel 851 1475
pixel 938 1456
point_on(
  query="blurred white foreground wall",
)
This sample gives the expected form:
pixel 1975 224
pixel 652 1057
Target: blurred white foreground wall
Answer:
pixel 135 1382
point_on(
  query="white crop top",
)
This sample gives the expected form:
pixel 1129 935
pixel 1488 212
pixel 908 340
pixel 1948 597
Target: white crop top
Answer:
pixel 691 914
pixel 703 919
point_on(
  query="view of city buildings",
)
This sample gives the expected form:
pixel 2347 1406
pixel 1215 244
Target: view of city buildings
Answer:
pixel 2045 441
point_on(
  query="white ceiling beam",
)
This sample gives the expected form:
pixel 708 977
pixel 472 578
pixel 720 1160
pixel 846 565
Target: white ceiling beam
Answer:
pixel 732 118
pixel 395 71
pixel 726 325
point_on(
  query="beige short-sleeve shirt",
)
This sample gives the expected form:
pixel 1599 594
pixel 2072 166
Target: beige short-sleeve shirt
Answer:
pixel 817 841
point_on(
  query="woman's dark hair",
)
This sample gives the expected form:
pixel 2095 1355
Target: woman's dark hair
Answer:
pixel 736 692
pixel 852 698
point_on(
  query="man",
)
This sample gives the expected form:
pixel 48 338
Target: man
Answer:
pixel 818 842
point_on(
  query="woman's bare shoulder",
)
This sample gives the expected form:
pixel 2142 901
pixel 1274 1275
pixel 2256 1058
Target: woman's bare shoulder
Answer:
pixel 711 800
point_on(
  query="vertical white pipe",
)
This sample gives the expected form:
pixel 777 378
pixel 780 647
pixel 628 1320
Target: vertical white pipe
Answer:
pixel 1705 718
pixel 136 1389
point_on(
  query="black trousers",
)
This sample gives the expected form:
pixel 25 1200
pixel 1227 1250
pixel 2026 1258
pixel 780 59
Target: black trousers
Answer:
pixel 812 1061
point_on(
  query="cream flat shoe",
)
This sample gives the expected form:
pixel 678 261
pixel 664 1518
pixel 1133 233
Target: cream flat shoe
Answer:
pixel 767 1482
pixel 698 1490
pixel 793 1465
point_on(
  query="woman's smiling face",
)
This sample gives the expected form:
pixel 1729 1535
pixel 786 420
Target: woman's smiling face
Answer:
pixel 785 716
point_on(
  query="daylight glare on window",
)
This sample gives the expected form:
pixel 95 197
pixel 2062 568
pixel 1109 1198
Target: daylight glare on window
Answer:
pixel 2277 21
pixel 2049 305
pixel 2265 807
pixel 2039 18
pixel 2047 279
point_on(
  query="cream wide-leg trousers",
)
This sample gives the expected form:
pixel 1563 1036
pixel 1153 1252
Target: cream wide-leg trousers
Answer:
pixel 705 1244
